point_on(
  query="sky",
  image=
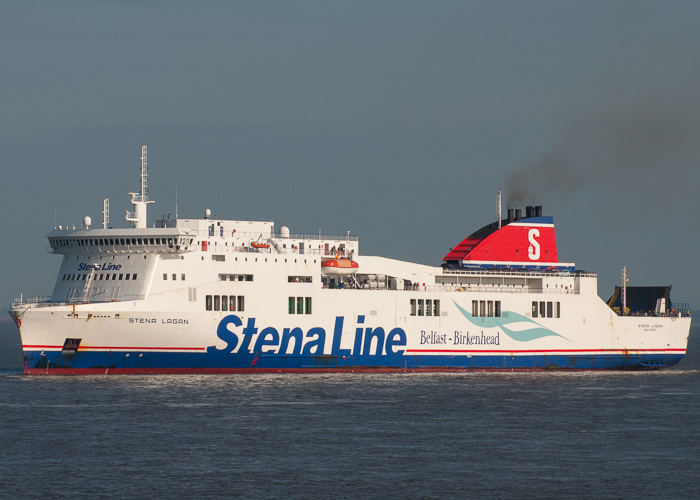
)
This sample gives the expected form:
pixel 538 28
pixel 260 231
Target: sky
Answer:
pixel 396 120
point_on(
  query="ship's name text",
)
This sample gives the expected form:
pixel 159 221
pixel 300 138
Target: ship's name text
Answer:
pixel 162 321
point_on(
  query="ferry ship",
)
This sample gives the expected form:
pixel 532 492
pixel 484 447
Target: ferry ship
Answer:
pixel 210 295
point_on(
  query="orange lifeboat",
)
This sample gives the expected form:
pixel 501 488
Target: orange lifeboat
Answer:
pixel 339 266
pixel 256 244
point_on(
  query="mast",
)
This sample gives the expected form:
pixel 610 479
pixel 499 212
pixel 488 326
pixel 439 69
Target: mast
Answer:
pixel 140 201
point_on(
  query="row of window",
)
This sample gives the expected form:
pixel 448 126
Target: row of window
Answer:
pixel 115 242
pixel 546 309
pixel 299 279
pixel 102 276
pixel 486 308
pixel 225 303
pixel 182 277
pixel 427 307
pixel 235 277
pixel 299 305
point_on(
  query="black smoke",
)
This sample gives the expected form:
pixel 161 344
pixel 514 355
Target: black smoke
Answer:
pixel 632 140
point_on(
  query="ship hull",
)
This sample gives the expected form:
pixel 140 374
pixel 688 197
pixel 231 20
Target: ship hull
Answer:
pixel 106 364
pixel 70 341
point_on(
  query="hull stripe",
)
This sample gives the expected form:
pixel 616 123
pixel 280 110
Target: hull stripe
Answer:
pixel 532 351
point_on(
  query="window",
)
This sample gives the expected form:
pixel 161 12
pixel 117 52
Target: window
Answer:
pixel 482 308
pixel 558 310
pixel 232 303
pixel 165 276
pixel 542 310
pixel 224 303
pixel 208 302
pixel 127 276
pixel 428 307
pixel 217 302
pixel 475 308
pixel 420 307
pixel 299 305
pixel 182 277
pixel 549 309
pixel 413 307
pixel 174 276
pixel 534 309
pixel 241 303
pixel 497 308
pixel 134 277
pixel 436 308
pixel 121 277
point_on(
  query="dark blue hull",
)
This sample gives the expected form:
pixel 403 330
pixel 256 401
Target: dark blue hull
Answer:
pixel 57 362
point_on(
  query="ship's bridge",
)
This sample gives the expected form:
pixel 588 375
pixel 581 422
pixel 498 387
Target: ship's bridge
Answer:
pixel 122 241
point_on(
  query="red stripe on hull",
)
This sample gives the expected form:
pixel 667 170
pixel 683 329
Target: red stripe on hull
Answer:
pixel 117 348
pixel 532 351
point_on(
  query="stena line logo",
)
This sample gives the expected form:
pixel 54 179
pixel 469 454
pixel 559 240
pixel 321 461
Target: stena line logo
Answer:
pixel 99 267
pixel 533 251
pixel 367 341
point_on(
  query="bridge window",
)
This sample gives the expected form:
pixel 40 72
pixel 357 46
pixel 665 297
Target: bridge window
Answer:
pixel 208 303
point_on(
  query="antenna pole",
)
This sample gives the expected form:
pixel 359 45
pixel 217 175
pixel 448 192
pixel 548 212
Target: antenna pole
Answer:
pixel 499 209
pixel 624 290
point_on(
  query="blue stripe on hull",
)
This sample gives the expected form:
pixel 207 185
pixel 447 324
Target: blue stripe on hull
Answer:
pixel 198 362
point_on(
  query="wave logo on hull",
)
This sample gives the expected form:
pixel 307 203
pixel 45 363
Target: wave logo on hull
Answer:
pixel 532 333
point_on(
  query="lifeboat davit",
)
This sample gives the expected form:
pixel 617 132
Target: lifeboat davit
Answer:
pixel 339 266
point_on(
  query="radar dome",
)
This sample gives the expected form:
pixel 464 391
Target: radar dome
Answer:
pixel 284 232
pixel 87 221
pixel 207 213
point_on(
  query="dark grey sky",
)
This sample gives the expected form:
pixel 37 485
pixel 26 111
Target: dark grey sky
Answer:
pixel 396 120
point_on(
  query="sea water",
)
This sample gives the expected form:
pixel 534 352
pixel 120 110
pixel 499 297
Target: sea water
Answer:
pixel 467 435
